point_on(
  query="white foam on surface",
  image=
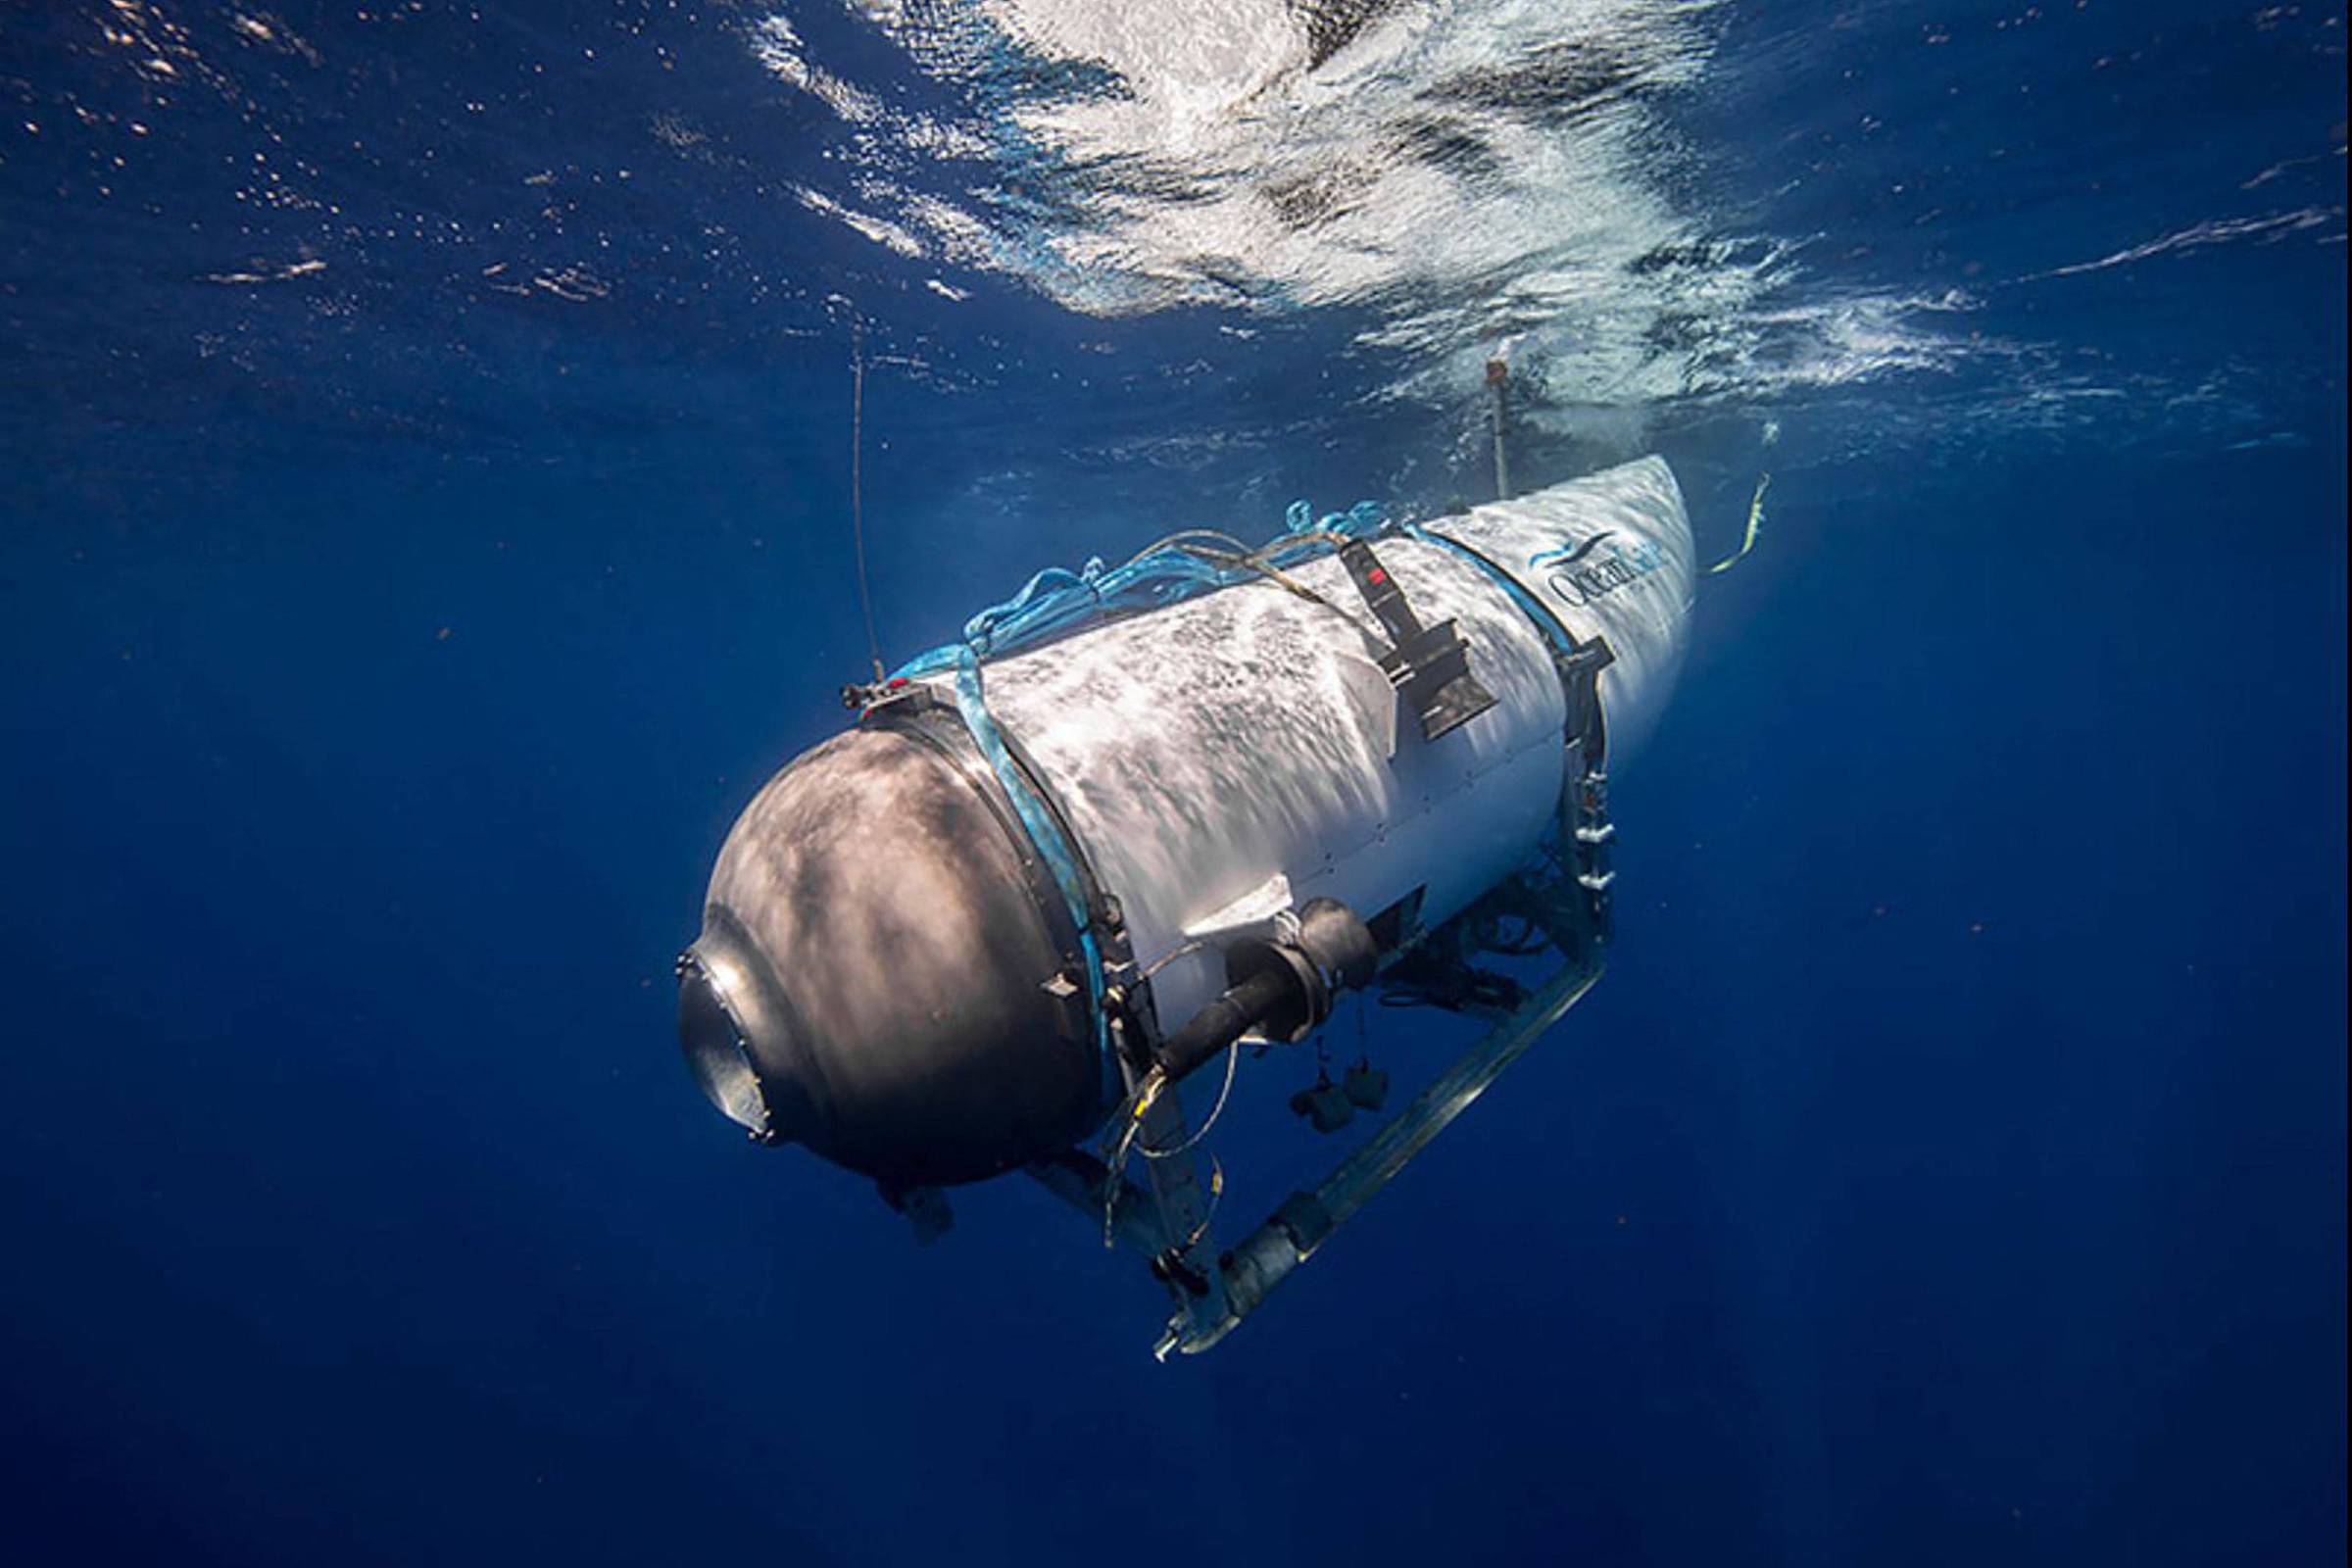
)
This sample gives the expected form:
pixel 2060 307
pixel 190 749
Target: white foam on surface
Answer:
pixel 1469 176
pixel 1457 181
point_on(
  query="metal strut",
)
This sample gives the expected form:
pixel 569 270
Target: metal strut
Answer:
pixel 1498 376
pixel 1290 1236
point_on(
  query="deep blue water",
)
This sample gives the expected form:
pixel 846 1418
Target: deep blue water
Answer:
pixel 423 522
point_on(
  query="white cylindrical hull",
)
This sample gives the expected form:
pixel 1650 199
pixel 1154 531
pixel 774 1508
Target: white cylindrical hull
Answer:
pixel 1222 756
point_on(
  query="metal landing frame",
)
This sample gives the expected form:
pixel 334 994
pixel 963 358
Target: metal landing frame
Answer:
pixel 1167 1218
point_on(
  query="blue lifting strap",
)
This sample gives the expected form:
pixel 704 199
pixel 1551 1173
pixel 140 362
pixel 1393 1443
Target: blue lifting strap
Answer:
pixel 1578 664
pixel 1563 642
pixel 1044 832
pixel 1052 603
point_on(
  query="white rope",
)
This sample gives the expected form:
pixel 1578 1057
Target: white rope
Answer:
pixel 1755 523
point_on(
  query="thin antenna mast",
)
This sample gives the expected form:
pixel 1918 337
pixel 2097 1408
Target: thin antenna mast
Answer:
pixel 865 598
pixel 1498 374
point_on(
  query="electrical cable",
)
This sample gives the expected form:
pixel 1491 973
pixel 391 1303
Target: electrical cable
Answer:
pixel 1233 1055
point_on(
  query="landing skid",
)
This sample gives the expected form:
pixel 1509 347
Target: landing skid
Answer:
pixel 1168 1218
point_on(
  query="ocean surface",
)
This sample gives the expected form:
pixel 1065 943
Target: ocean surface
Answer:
pixel 424 521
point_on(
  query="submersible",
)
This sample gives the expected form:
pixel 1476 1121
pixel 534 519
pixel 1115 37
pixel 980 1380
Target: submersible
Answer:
pixel 1138 816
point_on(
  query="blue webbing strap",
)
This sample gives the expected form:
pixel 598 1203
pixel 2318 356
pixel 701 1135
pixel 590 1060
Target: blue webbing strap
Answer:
pixel 1056 601
pixel 1046 834
pixel 1053 603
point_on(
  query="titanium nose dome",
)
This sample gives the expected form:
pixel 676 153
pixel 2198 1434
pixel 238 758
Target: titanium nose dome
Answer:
pixel 877 978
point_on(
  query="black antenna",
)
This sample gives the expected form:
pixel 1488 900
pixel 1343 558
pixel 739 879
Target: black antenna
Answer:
pixel 1498 375
pixel 865 598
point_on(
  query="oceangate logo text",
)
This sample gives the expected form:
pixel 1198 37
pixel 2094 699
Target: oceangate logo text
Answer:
pixel 1584 571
